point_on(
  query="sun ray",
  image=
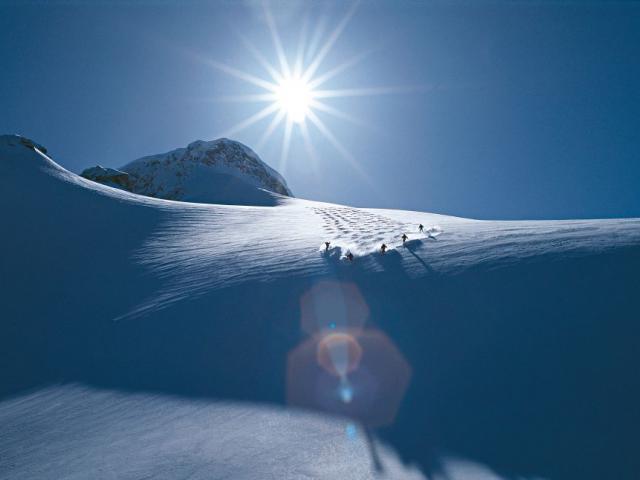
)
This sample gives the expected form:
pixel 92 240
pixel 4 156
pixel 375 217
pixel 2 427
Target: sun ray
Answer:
pixel 257 97
pixel 247 77
pixel 297 68
pixel 323 107
pixel 369 91
pixel 251 120
pixel 275 36
pixel 275 75
pixel 339 147
pixel 286 143
pixel 315 38
pixel 316 82
pixel 326 48
pixel 277 120
pixel 308 145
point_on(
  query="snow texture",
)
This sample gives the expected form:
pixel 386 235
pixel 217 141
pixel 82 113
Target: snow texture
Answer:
pixel 75 432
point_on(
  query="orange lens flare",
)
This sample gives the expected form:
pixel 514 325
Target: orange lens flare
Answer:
pixel 339 354
pixel 333 306
pixel 359 374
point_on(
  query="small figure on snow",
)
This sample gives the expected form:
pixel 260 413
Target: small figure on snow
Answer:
pixel 383 248
pixel 326 246
pixel 421 228
pixel 350 256
pixel 404 238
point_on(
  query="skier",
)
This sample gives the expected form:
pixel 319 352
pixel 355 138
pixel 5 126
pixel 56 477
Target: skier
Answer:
pixel 404 238
pixel 326 246
pixel 350 256
pixel 383 248
pixel 421 228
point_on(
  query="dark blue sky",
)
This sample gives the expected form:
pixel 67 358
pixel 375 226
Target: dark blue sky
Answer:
pixel 519 109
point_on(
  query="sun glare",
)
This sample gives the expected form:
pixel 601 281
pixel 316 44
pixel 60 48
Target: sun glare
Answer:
pixel 294 97
pixel 293 91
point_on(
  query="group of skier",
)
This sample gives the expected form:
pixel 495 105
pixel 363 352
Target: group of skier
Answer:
pixel 383 247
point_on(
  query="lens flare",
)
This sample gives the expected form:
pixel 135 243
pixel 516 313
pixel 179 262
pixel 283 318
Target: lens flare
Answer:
pixel 333 306
pixel 351 431
pixel 346 391
pixel 361 374
pixel 339 354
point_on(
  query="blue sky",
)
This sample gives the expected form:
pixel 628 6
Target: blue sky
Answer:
pixel 499 109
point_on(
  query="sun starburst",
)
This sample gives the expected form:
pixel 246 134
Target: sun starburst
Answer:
pixel 291 90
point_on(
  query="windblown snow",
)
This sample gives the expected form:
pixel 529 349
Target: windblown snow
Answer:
pixel 150 338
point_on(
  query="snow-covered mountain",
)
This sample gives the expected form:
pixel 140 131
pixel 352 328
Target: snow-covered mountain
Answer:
pixel 184 327
pixel 220 171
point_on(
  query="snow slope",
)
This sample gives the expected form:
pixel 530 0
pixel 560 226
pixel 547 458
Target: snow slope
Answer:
pixel 75 432
pixel 84 431
pixel 521 337
pixel 219 171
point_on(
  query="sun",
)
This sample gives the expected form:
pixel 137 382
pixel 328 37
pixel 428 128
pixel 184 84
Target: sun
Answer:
pixel 294 92
pixel 294 97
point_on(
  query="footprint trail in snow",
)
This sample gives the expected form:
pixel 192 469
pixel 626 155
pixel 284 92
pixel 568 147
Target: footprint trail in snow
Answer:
pixel 362 232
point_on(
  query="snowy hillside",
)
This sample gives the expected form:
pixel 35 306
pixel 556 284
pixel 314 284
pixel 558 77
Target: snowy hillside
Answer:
pixel 75 432
pixel 220 171
pixel 513 345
